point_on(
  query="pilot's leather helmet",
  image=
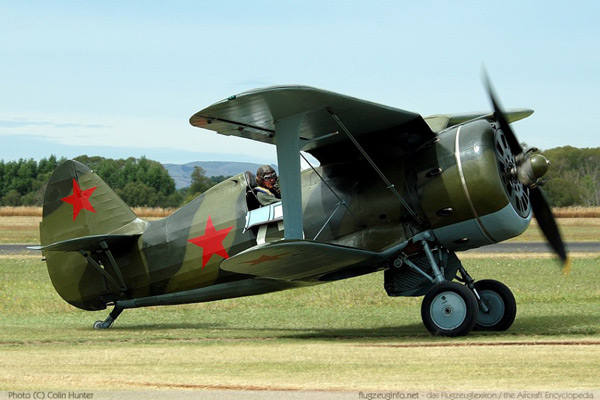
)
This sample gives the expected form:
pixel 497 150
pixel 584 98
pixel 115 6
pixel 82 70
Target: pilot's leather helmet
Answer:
pixel 265 173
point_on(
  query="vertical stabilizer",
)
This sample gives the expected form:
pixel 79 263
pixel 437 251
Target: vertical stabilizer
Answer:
pixel 79 203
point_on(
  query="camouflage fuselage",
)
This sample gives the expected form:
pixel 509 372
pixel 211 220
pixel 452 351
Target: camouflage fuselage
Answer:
pixel 455 184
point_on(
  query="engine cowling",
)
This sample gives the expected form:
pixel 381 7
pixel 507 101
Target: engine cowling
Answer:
pixel 467 189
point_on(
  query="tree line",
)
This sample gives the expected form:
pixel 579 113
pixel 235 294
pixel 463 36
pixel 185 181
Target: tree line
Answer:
pixel 139 182
pixel 573 179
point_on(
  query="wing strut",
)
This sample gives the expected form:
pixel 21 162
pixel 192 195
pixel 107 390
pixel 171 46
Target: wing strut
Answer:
pixel 288 159
pixel 375 167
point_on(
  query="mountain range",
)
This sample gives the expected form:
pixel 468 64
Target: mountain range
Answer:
pixel 181 173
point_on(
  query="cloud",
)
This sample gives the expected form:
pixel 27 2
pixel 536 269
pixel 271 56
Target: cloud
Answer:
pixel 19 123
pixel 25 123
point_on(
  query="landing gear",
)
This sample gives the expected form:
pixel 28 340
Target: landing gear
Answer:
pixel 107 323
pixel 449 309
pixel 500 306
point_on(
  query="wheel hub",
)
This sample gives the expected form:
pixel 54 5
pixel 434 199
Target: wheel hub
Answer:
pixel 448 310
pixel 495 306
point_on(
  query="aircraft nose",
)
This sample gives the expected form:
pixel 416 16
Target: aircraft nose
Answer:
pixel 531 168
pixel 539 165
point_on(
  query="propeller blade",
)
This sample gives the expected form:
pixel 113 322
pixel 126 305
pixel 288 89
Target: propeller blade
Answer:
pixel 539 203
pixel 545 218
pixel 513 142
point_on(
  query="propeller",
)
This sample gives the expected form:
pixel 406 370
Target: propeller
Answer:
pixel 528 170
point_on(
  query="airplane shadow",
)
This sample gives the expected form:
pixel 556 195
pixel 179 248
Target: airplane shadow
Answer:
pixel 525 326
pixel 168 326
pixel 309 333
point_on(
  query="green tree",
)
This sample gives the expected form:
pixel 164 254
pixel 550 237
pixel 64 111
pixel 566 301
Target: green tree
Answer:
pixel 2 184
pixel 573 178
pixel 561 192
pixel 153 187
pixel 137 194
pixel 12 198
pixel 200 182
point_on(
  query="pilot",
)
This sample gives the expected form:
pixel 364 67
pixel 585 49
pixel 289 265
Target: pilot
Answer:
pixel 267 190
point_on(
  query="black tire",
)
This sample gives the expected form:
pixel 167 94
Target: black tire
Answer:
pixel 449 309
pixel 99 325
pixel 501 304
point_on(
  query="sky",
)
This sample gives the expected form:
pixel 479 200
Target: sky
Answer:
pixel 122 78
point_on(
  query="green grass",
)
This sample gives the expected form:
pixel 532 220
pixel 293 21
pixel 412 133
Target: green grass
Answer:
pixel 346 335
pixel 351 308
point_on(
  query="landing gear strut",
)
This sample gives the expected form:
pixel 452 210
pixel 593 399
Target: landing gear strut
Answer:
pixel 107 323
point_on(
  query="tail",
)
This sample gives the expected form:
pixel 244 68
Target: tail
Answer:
pixel 79 203
pixel 82 218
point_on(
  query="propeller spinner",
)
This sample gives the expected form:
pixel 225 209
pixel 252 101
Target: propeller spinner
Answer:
pixel 529 167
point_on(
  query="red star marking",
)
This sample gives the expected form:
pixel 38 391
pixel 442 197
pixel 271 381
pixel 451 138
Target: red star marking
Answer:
pixel 80 199
pixel 264 258
pixel 211 242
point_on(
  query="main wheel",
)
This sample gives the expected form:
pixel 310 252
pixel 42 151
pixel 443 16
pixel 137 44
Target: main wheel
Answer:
pixel 449 309
pixel 500 303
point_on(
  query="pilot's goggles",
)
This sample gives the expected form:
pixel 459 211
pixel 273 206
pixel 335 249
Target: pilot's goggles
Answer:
pixel 270 177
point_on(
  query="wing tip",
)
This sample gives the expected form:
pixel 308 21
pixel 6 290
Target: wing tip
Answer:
pixel 566 269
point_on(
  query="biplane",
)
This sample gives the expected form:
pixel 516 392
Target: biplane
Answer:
pixel 392 192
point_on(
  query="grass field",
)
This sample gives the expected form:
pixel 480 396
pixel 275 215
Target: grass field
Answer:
pixel 572 229
pixel 25 230
pixel 346 335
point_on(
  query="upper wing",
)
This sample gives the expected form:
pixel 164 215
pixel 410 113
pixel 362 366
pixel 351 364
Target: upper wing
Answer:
pixel 439 122
pixel 254 115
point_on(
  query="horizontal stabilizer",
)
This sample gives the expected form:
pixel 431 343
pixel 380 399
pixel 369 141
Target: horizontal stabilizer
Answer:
pixel 88 243
pixel 298 259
